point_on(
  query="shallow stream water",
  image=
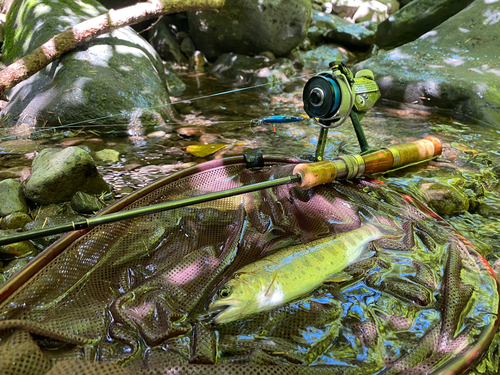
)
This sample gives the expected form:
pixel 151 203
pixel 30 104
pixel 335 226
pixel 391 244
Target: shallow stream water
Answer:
pixel 470 149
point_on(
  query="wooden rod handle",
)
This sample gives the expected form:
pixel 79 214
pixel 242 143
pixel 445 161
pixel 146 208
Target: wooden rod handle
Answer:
pixel 323 172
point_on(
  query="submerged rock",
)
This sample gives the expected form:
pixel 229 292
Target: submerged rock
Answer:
pixel 12 198
pixel 14 266
pixel 57 175
pixel 251 27
pixel 453 66
pixel 444 198
pixel 118 77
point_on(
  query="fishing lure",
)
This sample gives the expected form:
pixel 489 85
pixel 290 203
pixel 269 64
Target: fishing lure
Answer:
pixel 280 119
pixel 277 120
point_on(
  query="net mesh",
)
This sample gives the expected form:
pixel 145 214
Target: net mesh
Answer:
pixel 131 297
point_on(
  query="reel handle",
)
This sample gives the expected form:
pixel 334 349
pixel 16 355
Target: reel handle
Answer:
pixel 350 166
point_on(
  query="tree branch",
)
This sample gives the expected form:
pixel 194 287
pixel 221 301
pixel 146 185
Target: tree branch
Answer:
pixel 77 35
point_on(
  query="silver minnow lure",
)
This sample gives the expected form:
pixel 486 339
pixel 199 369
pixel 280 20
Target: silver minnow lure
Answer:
pixel 288 274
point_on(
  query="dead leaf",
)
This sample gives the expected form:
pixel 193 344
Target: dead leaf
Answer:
pixel 204 150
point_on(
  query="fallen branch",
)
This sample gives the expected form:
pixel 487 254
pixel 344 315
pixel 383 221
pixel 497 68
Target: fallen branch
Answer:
pixel 76 35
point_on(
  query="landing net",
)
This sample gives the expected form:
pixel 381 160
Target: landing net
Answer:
pixel 131 297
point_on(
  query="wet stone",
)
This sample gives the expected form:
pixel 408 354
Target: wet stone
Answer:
pixel 15 220
pixel 190 131
pixel 18 172
pixel 53 209
pixel 13 199
pixel 17 249
pixel 50 221
pixel 72 142
pixel 444 199
pixel 20 146
pixel 108 155
pixel 157 134
pixel 14 266
pixel 319 58
pixel 337 30
pixel 85 203
pixel 200 62
pixel 68 134
pixel 58 174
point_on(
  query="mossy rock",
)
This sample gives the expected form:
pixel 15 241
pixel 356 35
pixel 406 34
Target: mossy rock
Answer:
pixel 444 198
pixel 117 77
pixel 251 27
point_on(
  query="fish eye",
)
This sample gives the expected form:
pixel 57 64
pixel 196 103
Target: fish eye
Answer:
pixel 225 291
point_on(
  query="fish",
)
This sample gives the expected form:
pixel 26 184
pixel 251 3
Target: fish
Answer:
pixel 291 273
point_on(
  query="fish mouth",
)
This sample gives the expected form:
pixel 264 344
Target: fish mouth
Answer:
pixel 224 311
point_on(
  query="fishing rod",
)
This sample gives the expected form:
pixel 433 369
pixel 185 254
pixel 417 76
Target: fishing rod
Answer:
pixel 305 176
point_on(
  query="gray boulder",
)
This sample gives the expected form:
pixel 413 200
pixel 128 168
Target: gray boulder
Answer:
pixel 250 27
pixel 58 174
pixel 242 70
pixel 415 19
pixel 335 29
pixel 12 198
pixel 451 67
pixel 118 78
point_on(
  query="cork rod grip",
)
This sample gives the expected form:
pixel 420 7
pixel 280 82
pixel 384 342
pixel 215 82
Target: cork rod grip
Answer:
pixel 313 174
pixel 323 172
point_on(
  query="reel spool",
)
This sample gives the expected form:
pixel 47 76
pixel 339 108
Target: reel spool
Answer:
pixel 330 97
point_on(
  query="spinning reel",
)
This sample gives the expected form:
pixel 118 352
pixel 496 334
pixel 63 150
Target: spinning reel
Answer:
pixel 330 97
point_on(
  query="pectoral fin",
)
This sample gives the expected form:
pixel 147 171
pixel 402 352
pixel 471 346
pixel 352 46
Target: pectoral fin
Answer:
pixel 270 290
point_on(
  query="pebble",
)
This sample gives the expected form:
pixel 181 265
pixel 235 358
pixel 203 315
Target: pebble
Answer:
pixel 157 134
pixel 190 131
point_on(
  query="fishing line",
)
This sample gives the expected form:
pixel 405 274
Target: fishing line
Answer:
pixel 160 106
